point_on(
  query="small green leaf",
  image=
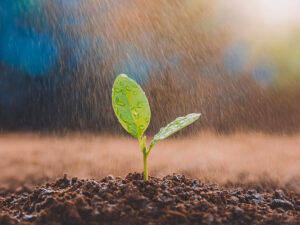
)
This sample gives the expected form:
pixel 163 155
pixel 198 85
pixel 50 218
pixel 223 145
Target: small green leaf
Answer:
pixel 174 126
pixel 131 105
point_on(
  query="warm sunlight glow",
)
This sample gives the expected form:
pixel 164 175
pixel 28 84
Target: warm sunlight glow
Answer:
pixel 278 12
pixel 260 17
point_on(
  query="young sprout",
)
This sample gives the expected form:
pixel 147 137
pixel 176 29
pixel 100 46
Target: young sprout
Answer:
pixel 132 108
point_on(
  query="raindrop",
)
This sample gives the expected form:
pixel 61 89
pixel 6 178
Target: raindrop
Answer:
pixel 122 118
pixel 119 101
pixel 140 105
pixel 135 114
pixel 141 127
pixel 117 90
pixel 131 130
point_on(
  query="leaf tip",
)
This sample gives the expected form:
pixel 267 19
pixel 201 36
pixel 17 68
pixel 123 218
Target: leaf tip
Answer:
pixel 122 75
pixel 194 115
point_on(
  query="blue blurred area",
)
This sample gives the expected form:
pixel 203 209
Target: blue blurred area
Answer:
pixel 265 73
pixel 28 51
pixel 135 65
pixel 69 3
pixel 21 45
pixel 88 49
pixel 11 10
pixel 70 18
pixel 237 62
pixel 139 68
pixel 235 58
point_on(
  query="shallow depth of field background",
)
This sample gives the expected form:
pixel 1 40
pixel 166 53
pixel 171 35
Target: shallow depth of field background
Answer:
pixel 237 63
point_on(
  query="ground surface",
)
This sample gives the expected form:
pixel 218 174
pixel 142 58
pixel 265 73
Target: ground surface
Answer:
pixel 243 164
pixel 170 200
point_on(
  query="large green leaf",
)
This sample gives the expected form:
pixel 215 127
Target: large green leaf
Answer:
pixel 131 105
pixel 175 126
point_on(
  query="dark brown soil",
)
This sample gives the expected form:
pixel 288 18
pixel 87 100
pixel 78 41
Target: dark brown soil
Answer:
pixel 170 200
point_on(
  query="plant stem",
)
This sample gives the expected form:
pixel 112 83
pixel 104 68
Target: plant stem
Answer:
pixel 145 156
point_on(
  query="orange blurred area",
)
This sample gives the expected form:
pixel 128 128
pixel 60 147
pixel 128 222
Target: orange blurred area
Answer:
pixel 241 159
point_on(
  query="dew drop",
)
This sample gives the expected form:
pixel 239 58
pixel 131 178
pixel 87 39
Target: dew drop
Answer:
pixel 141 127
pixel 119 101
pixel 132 130
pixel 123 118
pixel 135 114
pixel 140 105
pixel 118 90
pixel 128 88
pixel 129 128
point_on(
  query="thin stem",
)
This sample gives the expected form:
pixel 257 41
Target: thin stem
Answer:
pixel 141 144
pixel 151 146
pixel 145 156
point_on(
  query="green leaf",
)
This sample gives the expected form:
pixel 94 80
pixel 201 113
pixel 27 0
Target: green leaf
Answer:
pixel 131 105
pixel 175 126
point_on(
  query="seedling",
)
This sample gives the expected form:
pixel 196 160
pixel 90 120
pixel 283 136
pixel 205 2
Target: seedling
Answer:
pixel 132 108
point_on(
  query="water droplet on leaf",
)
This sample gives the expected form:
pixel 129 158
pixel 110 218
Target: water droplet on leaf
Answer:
pixel 118 90
pixel 119 101
pixel 135 114
pixel 140 105
pixel 141 127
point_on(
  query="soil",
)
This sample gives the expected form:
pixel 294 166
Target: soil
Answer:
pixel 173 199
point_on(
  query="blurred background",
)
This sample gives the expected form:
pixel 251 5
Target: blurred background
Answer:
pixel 237 63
